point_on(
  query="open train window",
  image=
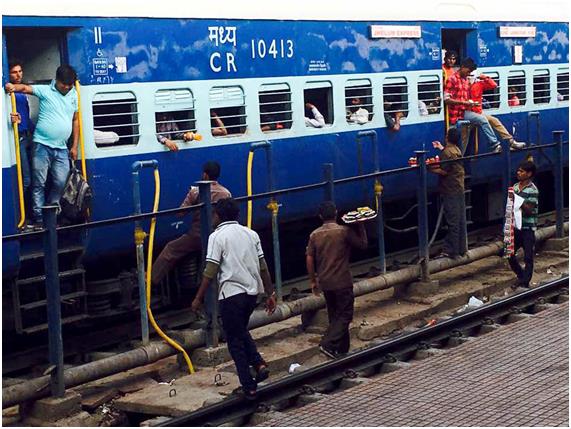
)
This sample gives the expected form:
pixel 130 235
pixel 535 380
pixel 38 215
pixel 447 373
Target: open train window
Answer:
pixel 541 87
pixel 563 84
pixel 516 88
pixel 395 96
pixel 320 95
pixel 227 111
pixel 115 119
pixel 275 107
pixel 429 99
pixel 359 101
pixel 491 97
pixel 174 114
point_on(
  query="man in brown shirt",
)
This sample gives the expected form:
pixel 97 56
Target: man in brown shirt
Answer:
pixel 327 260
pixel 451 188
pixel 190 242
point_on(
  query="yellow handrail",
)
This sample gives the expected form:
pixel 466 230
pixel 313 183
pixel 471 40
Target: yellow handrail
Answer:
pixel 18 165
pixel 249 187
pixel 149 276
pixel 81 141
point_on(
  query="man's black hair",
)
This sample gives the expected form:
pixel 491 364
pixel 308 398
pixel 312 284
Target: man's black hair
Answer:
pixel 66 74
pixel 450 53
pixel 227 209
pixel 212 170
pixel 13 62
pixel 327 210
pixel 453 135
pixel 529 167
pixel 469 64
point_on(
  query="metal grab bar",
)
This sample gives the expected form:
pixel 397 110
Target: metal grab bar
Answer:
pixel 81 138
pixel 18 165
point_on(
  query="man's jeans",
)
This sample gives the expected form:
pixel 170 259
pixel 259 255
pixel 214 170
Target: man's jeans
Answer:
pixel 56 163
pixel 482 122
pixel 26 153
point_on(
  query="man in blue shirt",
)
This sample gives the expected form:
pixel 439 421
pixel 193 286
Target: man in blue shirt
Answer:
pixel 25 125
pixel 57 120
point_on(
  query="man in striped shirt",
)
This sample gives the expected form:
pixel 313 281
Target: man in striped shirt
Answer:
pixel 525 237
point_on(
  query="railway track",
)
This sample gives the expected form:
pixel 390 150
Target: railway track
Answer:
pixel 369 361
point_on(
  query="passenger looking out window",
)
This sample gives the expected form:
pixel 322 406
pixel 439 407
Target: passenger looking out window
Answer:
pixel 356 113
pixel 216 125
pixel 168 131
pixel 392 116
pixel 313 117
pixel 513 99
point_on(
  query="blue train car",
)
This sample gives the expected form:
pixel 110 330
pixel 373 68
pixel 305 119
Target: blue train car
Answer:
pixel 256 70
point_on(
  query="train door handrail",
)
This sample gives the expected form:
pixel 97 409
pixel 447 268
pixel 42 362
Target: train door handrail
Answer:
pixel 18 164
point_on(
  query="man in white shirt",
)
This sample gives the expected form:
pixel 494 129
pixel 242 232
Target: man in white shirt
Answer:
pixel 356 113
pixel 317 121
pixel 236 259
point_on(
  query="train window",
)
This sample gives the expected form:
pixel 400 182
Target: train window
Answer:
pixel 541 87
pixel 227 111
pixel 115 119
pixel 359 101
pixel 429 99
pixel 275 107
pixel 491 97
pixel 516 88
pixel 320 96
pixel 395 96
pixel 175 113
pixel 563 84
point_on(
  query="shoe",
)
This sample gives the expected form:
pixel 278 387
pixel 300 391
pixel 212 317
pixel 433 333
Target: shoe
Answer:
pixel 329 353
pixel 262 372
pixel 250 395
pixel 497 148
pixel 515 145
pixel 32 227
pixel 443 255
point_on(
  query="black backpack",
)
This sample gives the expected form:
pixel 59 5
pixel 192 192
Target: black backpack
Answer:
pixel 76 199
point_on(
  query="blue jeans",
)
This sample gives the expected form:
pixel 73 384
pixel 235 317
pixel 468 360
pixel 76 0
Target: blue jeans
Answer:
pixel 56 163
pixel 26 152
pixel 481 121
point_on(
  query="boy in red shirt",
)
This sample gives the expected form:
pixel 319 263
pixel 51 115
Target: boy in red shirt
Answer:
pixel 486 83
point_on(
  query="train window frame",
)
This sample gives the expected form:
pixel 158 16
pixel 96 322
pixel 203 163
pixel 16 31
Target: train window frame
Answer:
pixel 114 137
pixel 364 92
pixel 521 76
pixel 424 95
pixel 324 91
pixel 230 100
pixel 275 125
pixel 545 75
pixel 179 103
pixel 561 95
pixel 491 99
pixel 396 82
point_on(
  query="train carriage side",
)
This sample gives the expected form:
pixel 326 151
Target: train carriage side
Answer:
pixel 131 69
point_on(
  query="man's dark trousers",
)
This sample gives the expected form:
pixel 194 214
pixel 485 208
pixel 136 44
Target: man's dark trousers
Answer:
pixel 340 313
pixel 526 239
pixel 455 214
pixel 235 312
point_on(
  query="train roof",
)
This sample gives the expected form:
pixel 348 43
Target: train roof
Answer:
pixel 316 10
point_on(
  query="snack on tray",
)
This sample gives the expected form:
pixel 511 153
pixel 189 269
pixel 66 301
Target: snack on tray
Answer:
pixel 361 214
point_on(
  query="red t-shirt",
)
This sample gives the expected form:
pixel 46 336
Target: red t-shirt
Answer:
pixel 457 88
pixel 477 89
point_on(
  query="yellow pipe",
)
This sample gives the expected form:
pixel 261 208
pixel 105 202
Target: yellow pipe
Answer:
pixel 249 187
pixel 18 165
pixel 81 141
pixel 447 118
pixel 476 142
pixel 149 271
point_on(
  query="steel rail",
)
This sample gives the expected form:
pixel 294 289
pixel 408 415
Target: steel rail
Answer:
pixel 237 407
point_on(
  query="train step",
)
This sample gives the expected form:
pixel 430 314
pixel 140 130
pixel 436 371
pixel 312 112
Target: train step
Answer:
pixel 63 275
pixel 64 321
pixel 61 251
pixel 63 298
